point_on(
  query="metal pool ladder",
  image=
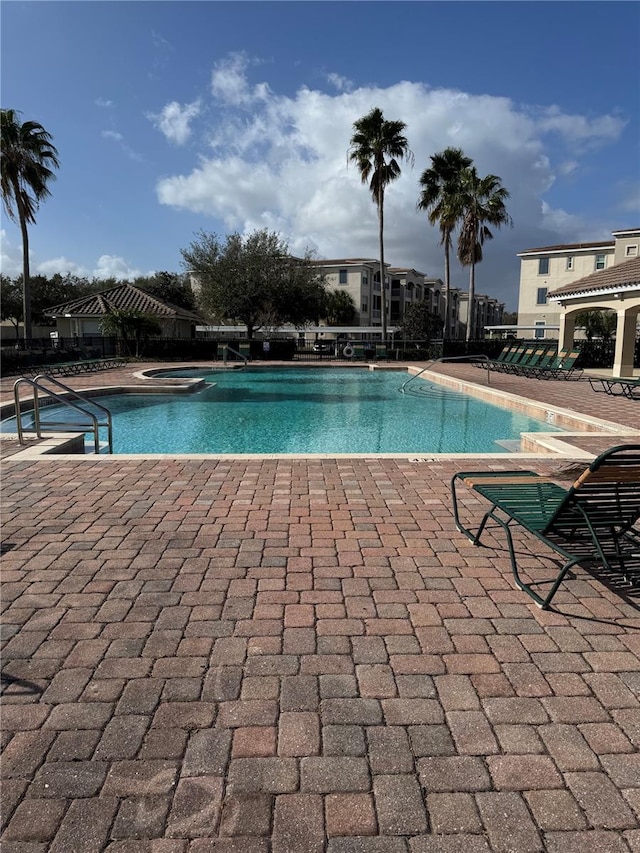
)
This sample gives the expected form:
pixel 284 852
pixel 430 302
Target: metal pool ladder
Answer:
pixel 483 358
pixel 72 400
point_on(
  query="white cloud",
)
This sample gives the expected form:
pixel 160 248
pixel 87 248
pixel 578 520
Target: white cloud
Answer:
pixel 282 164
pixel 63 266
pixel 174 120
pixel 229 84
pixel 111 266
pixel 342 84
pixel 119 139
pixel 107 266
pixel 104 103
pixel 10 256
pixel 579 129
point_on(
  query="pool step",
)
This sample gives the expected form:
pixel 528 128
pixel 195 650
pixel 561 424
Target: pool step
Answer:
pixel 512 445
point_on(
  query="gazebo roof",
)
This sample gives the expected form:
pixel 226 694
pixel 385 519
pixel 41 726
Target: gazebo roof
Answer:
pixel 624 276
pixel 122 297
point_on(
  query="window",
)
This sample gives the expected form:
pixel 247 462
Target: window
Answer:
pixel 543 266
pixel 365 306
pixel 601 262
pixel 542 296
pixel 342 277
pixel 631 251
pixel 365 278
pixel 570 262
pixel 539 333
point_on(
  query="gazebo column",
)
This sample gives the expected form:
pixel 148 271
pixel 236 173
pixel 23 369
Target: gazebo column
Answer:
pixel 567 330
pixel 625 342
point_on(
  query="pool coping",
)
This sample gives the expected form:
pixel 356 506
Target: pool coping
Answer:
pixel 537 445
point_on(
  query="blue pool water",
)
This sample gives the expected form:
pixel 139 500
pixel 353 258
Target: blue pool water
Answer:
pixel 298 410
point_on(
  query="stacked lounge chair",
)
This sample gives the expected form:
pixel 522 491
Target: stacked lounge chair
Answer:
pixel 563 366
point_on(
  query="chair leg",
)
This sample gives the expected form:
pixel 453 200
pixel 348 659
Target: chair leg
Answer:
pixel 545 602
pixel 473 537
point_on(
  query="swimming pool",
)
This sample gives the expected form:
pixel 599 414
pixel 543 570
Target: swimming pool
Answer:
pixel 308 410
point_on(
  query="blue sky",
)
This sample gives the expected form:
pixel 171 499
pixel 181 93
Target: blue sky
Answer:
pixel 173 117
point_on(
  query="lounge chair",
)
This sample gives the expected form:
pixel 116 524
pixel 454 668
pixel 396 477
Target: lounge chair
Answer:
pixel 512 357
pixel 562 367
pixel 591 522
pixel 381 351
pixel 617 386
pixel 504 352
pixel 548 359
pixel 530 358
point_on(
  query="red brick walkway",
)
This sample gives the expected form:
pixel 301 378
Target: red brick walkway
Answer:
pixel 300 656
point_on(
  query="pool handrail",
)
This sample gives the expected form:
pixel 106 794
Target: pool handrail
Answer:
pixel 37 385
pixel 228 349
pixel 483 358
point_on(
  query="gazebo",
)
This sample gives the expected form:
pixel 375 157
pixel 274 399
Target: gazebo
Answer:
pixel 617 289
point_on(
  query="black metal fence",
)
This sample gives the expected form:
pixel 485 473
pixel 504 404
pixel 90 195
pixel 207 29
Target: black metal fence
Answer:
pixel 19 356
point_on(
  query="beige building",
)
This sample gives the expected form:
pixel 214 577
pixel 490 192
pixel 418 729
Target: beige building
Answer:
pixel 615 289
pixel 405 286
pixel 360 278
pixel 549 268
pixel 487 312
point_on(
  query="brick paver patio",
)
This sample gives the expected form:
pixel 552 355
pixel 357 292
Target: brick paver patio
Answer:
pixel 300 656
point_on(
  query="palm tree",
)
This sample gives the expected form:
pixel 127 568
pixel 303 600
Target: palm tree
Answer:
pixel 28 157
pixel 482 201
pixel 375 148
pixel 440 199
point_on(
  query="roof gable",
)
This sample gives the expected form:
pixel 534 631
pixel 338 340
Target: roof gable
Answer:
pixel 125 297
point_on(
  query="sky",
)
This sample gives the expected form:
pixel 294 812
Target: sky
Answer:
pixel 176 117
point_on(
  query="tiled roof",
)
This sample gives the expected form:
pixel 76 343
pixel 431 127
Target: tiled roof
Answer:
pixel 123 296
pixel 619 275
pixel 322 262
pixel 600 244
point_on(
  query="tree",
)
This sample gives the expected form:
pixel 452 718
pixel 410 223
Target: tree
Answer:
pixel 440 198
pixel 170 287
pixel 339 308
pixel 482 201
pixel 254 280
pixel 131 326
pixel 11 306
pixel 375 148
pixel 597 324
pixel 26 167
pixel 420 323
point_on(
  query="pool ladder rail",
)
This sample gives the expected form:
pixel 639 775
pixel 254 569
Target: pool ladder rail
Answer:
pixel 482 358
pixel 70 398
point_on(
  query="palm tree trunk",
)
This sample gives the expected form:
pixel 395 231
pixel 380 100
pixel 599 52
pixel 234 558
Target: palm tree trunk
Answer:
pixel 447 289
pixel 26 279
pixel 383 295
pixel 472 288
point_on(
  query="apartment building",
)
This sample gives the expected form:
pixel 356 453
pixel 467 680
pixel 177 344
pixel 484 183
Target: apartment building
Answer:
pixel 549 268
pixel 360 278
pixel 487 312
pixel 408 287
pixel 405 286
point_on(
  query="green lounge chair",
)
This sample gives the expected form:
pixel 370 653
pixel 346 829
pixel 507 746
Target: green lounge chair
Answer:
pixel 528 357
pixel 513 356
pixel 504 352
pixel 563 367
pixel 537 358
pixel 549 358
pixel 381 351
pixel 617 386
pixel 591 522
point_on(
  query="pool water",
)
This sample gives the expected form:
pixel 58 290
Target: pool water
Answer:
pixel 298 410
